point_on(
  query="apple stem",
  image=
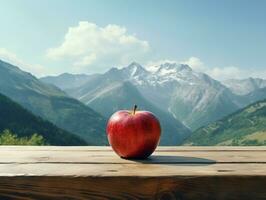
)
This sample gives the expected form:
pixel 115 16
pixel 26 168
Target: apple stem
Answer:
pixel 134 109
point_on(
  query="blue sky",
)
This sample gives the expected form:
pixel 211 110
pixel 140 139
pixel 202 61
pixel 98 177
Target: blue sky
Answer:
pixel 223 38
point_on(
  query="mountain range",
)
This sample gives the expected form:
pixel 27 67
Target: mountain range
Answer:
pixel 116 90
pixel 52 104
pixel 55 105
pixel 184 100
pixel 22 122
pixel 192 98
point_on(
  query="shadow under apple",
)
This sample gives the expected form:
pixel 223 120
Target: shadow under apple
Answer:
pixel 168 159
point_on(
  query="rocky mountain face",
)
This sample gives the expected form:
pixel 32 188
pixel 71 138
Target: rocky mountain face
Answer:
pixel 51 103
pixel 122 96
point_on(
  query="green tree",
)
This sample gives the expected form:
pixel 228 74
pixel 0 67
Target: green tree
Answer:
pixel 9 138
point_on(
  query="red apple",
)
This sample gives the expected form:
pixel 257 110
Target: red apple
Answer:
pixel 133 134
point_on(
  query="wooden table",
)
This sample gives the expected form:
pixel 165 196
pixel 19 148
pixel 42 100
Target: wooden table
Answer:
pixel 97 173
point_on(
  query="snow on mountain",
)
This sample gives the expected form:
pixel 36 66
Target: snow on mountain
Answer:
pixel 192 97
pixel 134 70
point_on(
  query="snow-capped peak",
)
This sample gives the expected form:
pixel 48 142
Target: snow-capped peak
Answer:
pixel 172 68
pixel 134 69
pixel 167 74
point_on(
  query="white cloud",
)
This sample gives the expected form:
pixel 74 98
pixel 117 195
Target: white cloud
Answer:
pixel 227 72
pixel 89 45
pixel 224 73
pixel 12 58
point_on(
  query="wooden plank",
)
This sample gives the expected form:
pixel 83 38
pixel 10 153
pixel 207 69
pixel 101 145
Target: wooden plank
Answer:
pixel 97 173
pixel 101 157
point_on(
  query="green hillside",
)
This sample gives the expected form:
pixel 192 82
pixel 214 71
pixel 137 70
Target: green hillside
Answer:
pixel 24 124
pixel 52 104
pixel 244 127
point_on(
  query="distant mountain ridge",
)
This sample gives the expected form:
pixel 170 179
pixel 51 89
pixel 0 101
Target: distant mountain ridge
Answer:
pixel 23 123
pixel 191 97
pixel 66 80
pixel 245 86
pixel 52 104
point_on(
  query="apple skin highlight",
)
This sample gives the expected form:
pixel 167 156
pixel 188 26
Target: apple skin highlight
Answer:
pixel 133 134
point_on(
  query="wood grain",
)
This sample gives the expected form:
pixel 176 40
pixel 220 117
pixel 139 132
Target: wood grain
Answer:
pixel 97 173
pixel 134 170
pixel 182 188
